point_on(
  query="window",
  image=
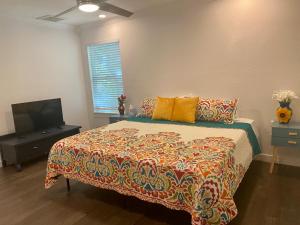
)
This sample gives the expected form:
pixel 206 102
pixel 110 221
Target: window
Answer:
pixel 106 76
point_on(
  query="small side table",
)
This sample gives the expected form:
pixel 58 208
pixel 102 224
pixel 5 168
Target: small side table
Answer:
pixel 117 118
pixel 284 135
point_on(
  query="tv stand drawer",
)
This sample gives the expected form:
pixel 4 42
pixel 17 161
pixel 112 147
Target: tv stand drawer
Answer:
pixel 31 150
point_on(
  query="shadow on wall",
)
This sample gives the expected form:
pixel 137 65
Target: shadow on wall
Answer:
pixel 253 114
pixel 9 121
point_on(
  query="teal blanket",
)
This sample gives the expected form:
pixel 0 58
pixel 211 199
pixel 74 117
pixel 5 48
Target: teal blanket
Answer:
pixel 243 126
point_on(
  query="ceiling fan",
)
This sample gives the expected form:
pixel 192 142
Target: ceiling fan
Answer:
pixel 89 6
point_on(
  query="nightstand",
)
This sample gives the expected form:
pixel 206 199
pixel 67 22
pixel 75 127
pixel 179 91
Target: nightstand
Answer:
pixel 117 118
pixel 284 135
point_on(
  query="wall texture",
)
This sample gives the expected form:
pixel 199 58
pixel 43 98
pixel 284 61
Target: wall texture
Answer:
pixel 39 61
pixel 229 48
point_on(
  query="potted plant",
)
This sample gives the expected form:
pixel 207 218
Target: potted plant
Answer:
pixel 284 112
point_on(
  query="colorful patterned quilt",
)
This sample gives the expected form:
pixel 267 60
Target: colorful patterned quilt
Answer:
pixel 196 169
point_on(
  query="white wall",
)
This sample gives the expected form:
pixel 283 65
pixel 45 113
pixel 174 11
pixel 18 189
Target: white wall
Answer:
pixel 222 48
pixel 40 61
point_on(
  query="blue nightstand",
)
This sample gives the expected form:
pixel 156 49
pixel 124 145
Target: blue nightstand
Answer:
pixel 284 135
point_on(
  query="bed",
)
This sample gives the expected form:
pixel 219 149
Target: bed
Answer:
pixel 192 167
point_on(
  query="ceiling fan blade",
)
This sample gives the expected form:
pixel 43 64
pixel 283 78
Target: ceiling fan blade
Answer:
pixel 114 9
pixel 56 18
pixel 66 11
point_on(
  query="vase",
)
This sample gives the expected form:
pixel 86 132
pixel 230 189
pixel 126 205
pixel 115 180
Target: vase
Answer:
pixel 121 109
pixel 284 113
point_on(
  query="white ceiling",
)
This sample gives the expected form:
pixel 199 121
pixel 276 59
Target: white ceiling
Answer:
pixel 30 9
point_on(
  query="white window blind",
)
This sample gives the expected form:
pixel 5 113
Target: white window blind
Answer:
pixel 106 76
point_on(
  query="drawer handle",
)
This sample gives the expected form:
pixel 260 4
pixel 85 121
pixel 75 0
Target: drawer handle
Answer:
pixel 35 147
pixel 292 142
pixel 293 133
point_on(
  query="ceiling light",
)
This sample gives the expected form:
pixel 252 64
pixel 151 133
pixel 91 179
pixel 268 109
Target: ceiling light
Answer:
pixel 88 5
pixel 102 16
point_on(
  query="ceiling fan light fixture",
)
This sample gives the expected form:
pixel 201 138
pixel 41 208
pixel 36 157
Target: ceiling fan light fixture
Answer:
pixel 88 5
pixel 102 16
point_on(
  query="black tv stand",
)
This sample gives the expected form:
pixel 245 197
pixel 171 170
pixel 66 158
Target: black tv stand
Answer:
pixel 19 149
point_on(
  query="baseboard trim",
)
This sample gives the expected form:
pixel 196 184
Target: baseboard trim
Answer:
pixel 281 160
pixel 264 157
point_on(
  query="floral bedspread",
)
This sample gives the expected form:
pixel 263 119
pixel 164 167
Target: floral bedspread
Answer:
pixel 156 163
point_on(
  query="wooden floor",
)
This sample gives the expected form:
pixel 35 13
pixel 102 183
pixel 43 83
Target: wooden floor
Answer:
pixel 262 199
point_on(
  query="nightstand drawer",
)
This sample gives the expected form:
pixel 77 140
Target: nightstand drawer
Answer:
pixel 288 133
pixel 286 142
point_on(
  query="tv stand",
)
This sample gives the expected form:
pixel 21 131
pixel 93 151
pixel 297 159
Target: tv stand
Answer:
pixel 15 150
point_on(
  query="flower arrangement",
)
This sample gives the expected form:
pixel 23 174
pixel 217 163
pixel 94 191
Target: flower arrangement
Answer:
pixel 121 107
pixel 122 99
pixel 284 112
pixel 284 96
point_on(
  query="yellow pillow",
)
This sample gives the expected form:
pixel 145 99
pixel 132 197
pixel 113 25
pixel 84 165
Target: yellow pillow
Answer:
pixel 163 108
pixel 185 109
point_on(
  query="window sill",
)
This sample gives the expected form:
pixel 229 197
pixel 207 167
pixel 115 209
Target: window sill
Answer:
pixel 103 115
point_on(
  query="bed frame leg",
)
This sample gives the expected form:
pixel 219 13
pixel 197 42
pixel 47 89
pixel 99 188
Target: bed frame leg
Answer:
pixel 68 185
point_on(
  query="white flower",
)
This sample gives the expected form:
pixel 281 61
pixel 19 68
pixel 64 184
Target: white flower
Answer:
pixel 284 95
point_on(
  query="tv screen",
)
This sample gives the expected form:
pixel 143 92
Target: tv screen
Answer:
pixel 37 116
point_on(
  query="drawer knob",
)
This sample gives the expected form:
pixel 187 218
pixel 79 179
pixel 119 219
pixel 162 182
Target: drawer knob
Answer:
pixel 292 142
pixel 293 133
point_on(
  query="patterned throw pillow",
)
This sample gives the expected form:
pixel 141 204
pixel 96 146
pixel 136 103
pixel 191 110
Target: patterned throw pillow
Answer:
pixel 147 107
pixel 217 110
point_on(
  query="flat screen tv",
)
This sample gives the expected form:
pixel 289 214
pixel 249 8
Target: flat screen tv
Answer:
pixel 37 116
